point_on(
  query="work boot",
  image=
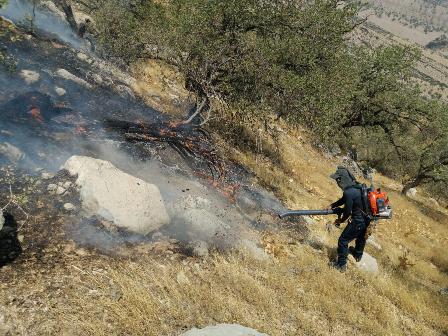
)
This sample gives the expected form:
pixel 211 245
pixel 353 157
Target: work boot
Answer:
pixel 340 268
pixel 352 251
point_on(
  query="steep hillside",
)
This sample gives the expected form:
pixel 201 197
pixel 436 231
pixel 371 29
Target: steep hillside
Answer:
pixel 158 291
pixel 68 268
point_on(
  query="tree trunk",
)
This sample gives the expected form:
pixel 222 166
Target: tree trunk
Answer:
pixel 68 11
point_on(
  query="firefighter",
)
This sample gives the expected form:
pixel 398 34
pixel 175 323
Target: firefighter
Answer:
pixel 353 212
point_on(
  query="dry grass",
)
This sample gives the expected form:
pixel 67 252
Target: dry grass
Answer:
pixel 295 293
pixel 161 87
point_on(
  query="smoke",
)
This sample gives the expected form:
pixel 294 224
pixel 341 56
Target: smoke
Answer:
pixel 48 22
pixel 197 211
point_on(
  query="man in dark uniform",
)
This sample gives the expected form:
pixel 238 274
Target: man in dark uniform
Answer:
pixel 353 209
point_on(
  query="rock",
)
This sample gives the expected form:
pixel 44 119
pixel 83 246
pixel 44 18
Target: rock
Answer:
pixel 118 197
pixel 198 249
pixel 69 207
pixel 444 291
pixel 193 224
pixel 69 76
pixel 116 294
pixel 158 236
pixel 46 176
pixel 52 187
pixel 352 165
pixel 11 152
pixel 254 250
pixel 223 330
pixel 83 57
pixel 191 201
pixel 411 192
pixel 433 202
pixel 2 220
pixel 60 91
pixel 248 205
pixel 308 220
pixel 372 242
pixel 368 263
pixel 124 91
pixel 82 252
pixel 60 191
pixel 182 279
pixel 49 5
pixel 29 76
pixel 67 184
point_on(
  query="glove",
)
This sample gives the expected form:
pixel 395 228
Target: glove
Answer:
pixel 337 223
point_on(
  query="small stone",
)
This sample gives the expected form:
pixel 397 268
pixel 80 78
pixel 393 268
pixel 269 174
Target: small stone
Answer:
pixel 60 91
pixel 82 252
pixel 52 187
pixel 116 294
pixel 411 192
pixel 443 291
pixel 157 236
pixel 308 220
pixel 21 238
pixel 97 79
pixel 67 185
pixel 29 76
pixel 198 249
pixel 434 202
pixel 47 176
pixel 60 190
pixel 69 207
pixel 223 329
pixel 182 279
pixel 372 242
pixel 83 57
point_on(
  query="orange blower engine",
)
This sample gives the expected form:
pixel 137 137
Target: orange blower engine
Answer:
pixel 379 204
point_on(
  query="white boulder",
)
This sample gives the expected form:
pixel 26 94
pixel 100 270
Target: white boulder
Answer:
pixel 29 76
pixel 118 197
pixel 69 76
pixel 223 330
pixel 411 192
pixel 368 263
pixel 60 91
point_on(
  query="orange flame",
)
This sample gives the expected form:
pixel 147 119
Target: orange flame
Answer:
pixel 35 113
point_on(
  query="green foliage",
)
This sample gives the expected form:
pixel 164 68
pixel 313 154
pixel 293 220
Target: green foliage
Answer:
pixel 289 56
pixel 7 62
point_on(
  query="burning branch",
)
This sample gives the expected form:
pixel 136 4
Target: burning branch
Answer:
pixel 191 142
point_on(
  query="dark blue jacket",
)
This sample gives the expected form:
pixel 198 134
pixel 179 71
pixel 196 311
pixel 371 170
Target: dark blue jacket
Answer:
pixel 352 202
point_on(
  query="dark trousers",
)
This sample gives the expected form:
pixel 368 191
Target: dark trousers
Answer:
pixel 353 230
